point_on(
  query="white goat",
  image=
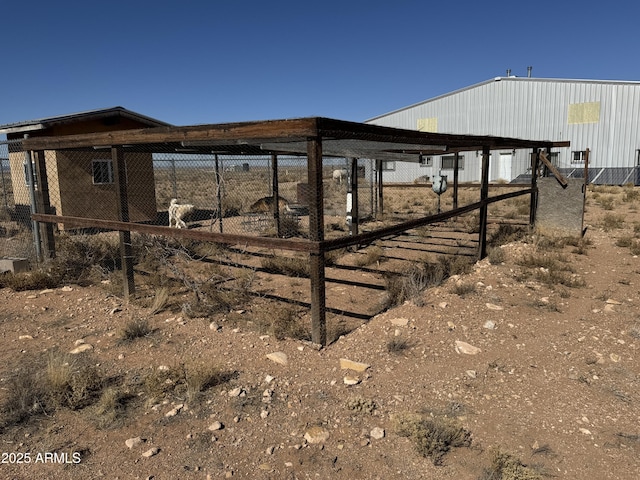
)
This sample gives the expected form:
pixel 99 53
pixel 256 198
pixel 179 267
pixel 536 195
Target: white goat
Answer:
pixel 178 212
pixel 339 175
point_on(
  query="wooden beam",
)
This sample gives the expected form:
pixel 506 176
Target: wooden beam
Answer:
pixel 44 205
pixel 559 177
pixel 122 200
pixel 484 194
pixel 533 204
pixel 316 234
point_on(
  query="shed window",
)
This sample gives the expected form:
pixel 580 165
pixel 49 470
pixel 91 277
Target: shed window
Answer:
pixel 447 162
pixel 102 171
pixel 426 161
pixel 638 157
pixel 578 157
pixel 388 166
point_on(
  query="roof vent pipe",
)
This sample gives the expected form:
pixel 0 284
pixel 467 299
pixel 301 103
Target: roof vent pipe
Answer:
pixel 508 72
pixel 529 72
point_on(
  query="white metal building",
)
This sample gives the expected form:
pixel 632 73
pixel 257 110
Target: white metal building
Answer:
pixel 600 115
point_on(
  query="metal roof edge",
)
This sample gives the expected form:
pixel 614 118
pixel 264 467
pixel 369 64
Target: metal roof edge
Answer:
pixel 500 79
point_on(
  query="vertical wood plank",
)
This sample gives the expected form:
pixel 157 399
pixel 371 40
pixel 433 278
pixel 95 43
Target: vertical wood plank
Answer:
pixel 456 161
pixel 44 205
pixel 316 234
pixel 380 212
pixel 122 200
pixel 534 186
pixel 484 194
pixel 353 190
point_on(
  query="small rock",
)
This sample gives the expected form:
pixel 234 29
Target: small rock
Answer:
pixel 236 392
pixel 25 337
pixel 82 348
pixel 377 433
pixel 464 347
pixel 67 289
pixel 278 357
pixel 216 426
pixel 491 306
pixel 346 364
pixel 471 373
pixel 615 358
pixel 151 452
pixel 611 301
pixel 316 435
pixel 174 411
pixel 399 322
pixel 585 431
pixel 132 442
pixel 351 380
pixel 214 326
pixel 443 304
pixel 489 325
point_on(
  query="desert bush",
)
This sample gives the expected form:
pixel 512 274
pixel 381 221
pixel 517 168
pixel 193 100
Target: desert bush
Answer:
pixel 281 321
pixel 134 329
pixel 463 288
pixel 361 405
pixel 184 382
pixel 612 222
pixel 496 256
pixel 57 381
pixel 35 280
pixel 433 437
pixel 505 466
pixel 110 408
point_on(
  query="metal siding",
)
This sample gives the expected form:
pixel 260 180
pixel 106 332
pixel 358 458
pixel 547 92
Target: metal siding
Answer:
pixel 537 109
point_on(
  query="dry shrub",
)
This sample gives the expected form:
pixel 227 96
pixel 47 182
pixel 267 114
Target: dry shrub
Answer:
pixel 463 288
pixel 57 381
pixel 505 466
pixel 280 321
pixel 289 266
pixel 612 222
pixel 361 405
pixel 35 280
pixel 134 329
pixel 433 437
pixel 370 256
pixel 398 345
pixel 184 382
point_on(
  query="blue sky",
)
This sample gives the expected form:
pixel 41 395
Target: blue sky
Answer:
pixel 193 62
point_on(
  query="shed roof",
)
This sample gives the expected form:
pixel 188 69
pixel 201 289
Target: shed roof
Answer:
pixel 104 113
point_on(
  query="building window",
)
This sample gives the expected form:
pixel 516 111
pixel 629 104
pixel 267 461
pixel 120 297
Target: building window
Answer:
pixel 638 157
pixel 388 166
pixel 578 157
pixel 27 179
pixel 426 161
pixel 447 162
pixel 102 171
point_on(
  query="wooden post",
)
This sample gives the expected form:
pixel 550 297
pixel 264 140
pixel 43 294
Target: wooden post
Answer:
pixel 456 160
pixel 484 208
pixel 380 212
pixel 44 205
pixel 352 197
pixel 534 186
pixel 218 191
pixel 316 234
pixel 276 193
pixel 122 199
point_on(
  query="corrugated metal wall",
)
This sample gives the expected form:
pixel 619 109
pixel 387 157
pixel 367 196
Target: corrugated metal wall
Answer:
pixel 536 109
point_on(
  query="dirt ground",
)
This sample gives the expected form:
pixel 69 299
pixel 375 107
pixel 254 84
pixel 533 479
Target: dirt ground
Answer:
pixel 542 371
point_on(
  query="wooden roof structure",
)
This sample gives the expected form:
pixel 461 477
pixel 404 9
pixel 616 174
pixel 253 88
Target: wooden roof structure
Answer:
pixel 339 138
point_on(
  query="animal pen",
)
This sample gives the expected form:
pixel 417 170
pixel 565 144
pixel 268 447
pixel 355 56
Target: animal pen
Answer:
pixel 261 185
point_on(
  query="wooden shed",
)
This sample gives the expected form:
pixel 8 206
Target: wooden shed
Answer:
pixel 85 187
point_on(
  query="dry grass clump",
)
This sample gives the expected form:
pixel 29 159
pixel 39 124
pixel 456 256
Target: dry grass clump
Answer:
pixel 464 288
pixel 60 381
pixel 280 321
pixel 35 280
pixel 398 345
pixel 505 466
pixel 433 437
pixel 135 329
pixel 408 285
pixel 552 270
pixel 361 405
pixel 289 266
pixel 611 221
pixel 369 256
pixel 183 382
